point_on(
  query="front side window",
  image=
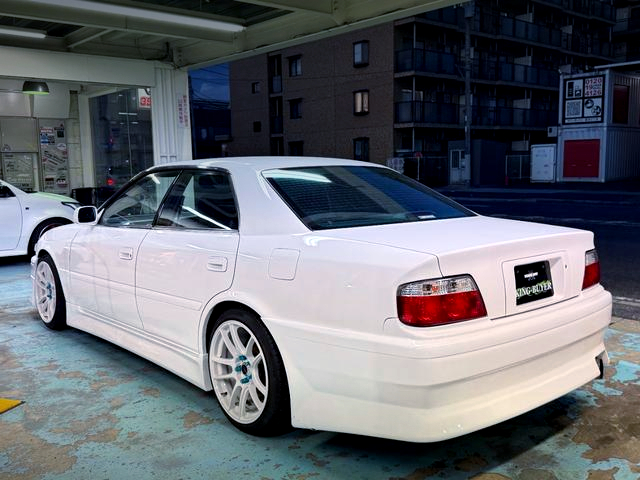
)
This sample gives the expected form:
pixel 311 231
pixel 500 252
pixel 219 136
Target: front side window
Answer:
pixel 200 200
pixel 353 196
pixel 137 206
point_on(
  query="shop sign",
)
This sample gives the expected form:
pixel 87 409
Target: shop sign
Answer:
pixel 583 100
pixel 144 98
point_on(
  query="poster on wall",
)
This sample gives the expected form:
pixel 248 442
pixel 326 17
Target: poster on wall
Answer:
pixel 17 169
pixel 583 100
pixel 54 158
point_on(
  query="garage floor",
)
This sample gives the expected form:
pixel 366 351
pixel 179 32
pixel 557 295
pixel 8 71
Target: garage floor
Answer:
pixel 93 410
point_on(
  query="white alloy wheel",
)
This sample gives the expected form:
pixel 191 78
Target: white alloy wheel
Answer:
pixel 239 371
pixel 45 286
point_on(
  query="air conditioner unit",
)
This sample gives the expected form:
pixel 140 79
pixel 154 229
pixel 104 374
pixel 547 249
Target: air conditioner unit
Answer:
pixel 552 131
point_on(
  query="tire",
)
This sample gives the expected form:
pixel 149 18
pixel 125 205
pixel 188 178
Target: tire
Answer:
pixel 48 294
pixel 248 374
pixel 40 230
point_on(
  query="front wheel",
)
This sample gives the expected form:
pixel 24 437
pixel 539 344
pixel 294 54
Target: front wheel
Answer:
pixel 49 297
pixel 248 374
pixel 41 229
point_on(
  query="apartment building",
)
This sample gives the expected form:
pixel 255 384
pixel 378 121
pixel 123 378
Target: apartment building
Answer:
pixel 398 90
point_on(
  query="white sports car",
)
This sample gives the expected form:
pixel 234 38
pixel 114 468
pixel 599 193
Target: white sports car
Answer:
pixel 331 294
pixel 24 217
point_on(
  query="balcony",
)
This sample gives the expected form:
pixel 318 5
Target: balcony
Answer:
pixel 513 117
pixel 419 60
pixel 427 61
pixel 498 25
pixel 427 112
pixel 451 114
pixel 511 72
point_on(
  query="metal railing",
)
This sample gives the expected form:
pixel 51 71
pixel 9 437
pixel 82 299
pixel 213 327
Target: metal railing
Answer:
pixel 513 117
pixel 429 61
pixel 427 112
pixel 451 114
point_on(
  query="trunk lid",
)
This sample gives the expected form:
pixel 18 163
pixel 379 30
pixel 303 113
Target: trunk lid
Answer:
pixel 494 251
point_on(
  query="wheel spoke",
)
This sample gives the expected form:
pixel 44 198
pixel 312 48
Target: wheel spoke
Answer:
pixel 243 401
pixel 226 338
pixel 235 338
pixel 250 344
pixel 259 403
pixel 235 396
pixel 223 376
pixel 229 362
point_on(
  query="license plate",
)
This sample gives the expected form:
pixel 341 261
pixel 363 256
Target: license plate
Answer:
pixel 533 282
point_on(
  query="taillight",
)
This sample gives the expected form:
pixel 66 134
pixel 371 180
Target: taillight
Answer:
pixel 591 269
pixel 437 302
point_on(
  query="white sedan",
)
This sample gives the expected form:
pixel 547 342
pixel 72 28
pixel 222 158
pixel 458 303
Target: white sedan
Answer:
pixel 331 294
pixel 24 217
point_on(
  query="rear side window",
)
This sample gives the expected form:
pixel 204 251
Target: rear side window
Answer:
pixel 351 196
pixel 200 200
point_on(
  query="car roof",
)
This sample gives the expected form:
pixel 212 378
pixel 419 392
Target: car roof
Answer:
pixel 261 163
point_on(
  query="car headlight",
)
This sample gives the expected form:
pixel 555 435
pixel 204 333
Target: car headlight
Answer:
pixel 71 205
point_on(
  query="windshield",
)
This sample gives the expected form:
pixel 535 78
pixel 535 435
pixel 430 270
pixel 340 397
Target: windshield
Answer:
pixel 351 196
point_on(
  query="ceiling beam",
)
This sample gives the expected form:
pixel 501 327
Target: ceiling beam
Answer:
pixel 118 17
pixel 315 6
pixel 301 27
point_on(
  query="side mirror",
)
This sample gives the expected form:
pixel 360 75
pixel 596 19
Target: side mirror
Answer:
pixel 5 192
pixel 86 214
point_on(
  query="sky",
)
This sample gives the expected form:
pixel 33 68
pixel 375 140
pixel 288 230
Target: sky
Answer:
pixel 211 83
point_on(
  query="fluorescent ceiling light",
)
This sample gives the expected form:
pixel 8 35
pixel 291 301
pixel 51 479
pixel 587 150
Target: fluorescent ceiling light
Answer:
pixel 22 32
pixel 153 15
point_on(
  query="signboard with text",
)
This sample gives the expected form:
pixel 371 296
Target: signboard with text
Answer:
pixel 583 100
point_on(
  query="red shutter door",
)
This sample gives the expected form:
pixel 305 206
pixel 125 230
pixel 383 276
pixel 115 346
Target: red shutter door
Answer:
pixel 581 158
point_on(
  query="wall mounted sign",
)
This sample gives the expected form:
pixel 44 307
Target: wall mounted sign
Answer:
pixel 583 100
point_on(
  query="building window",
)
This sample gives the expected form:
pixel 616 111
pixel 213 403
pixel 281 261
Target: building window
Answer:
pixel 361 148
pixel 620 104
pixel 295 66
pixel 257 127
pixel 255 87
pixel 277 146
pixel 275 74
pixel 295 148
pixel 295 108
pixel 361 54
pixel 361 102
pixel 119 118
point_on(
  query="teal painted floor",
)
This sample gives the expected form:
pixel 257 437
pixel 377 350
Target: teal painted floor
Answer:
pixel 94 411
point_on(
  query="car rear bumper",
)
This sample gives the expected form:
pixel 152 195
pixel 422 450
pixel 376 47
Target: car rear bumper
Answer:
pixel 432 388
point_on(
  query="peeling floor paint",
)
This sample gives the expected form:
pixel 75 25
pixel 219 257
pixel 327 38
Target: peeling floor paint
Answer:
pixel 93 410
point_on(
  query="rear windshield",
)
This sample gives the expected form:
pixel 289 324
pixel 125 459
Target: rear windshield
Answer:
pixel 352 196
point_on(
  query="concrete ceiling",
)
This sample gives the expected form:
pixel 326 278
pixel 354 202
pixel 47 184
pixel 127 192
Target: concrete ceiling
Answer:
pixel 192 33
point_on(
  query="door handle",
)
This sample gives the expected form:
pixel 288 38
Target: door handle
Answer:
pixel 217 264
pixel 126 253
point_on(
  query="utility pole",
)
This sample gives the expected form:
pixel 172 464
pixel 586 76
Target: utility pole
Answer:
pixel 469 10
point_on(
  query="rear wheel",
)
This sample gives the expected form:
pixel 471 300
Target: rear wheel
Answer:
pixel 49 298
pixel 248 374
